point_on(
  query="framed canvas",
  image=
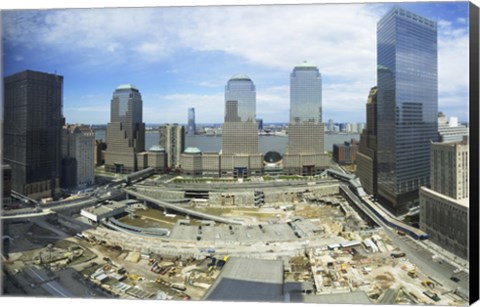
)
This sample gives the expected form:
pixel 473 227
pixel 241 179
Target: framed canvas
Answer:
pixel 245 153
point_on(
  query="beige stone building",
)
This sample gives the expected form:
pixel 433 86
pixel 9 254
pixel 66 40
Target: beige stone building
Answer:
pixel 125 136
pixel 157 159
pixel 172 138
pixel 444 208
pixel 191 161
pixel 78 143
pixel 450 169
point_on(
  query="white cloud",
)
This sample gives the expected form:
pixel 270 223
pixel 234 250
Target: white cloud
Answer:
pixel 173 108
pixel 340 39
pixel 453 69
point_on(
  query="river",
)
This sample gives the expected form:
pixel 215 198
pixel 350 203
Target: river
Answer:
pixel 214 143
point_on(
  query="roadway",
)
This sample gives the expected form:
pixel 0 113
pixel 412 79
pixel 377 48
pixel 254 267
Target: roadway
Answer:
pixel 100 195
pixel 418 254
pixel 49 285
pixel 180 209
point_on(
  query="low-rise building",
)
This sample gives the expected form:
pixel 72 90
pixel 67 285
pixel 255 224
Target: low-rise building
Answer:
pixel 191 162
pixel 345 153
pixel 98 213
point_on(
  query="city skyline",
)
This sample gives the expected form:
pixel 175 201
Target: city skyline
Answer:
pixel 187 65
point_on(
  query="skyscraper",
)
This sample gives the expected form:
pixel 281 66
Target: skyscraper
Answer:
pixel 126 131
pixel 367 151
pixel 191 127
pixel 78 143
pixel 172 138
pixel 406 105
pixel 305 148
pixel 240 156
pixel 240 131
pixel 32 131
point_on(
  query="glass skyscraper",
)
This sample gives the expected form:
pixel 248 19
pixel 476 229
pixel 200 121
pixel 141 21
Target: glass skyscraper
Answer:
pixel 240 131
pixel 406 105
pixel 126 131
pixel 32 132
pixel 304 154
pixel 240 88
pixel 191 128
pixel 305 94
pixel 305 130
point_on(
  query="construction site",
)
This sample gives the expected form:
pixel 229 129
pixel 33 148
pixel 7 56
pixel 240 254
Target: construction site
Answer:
pixel 319 247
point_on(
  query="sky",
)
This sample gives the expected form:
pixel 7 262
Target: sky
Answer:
pixel 182 57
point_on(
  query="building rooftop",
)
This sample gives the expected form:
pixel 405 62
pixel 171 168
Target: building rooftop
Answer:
pixel 240 77
pixel 192 150
pixel 306 64
pixel 243 279
pixel 156 148
pixel 465 202
pixel 126 87
pixel 105 209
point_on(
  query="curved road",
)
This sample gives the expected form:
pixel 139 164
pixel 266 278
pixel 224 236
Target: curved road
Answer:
pixel 180 209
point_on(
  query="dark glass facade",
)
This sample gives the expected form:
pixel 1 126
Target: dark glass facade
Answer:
pixel 191 129
pixel 33 123
pixel 407 105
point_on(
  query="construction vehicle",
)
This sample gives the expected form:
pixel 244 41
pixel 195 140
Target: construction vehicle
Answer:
pixel 428 284
pixel 432 295
pixel 133 277
pixel 412 273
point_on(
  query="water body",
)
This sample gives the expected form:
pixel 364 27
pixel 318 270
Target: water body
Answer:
pixel 214 143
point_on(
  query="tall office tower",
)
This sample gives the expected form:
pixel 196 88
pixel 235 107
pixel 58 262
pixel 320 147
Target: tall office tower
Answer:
pixel 191 128
pixel 260 124
pixel 305 148
pixel 406 106
pixel 126 132
pixel 330 125
pixel 240 129
pixel 172 138
pixel 367 151
pixel 444 206
pixel 32 132
pixel 78 143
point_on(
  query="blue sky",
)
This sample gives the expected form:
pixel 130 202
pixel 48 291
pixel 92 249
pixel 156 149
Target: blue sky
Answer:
pixel 181 57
